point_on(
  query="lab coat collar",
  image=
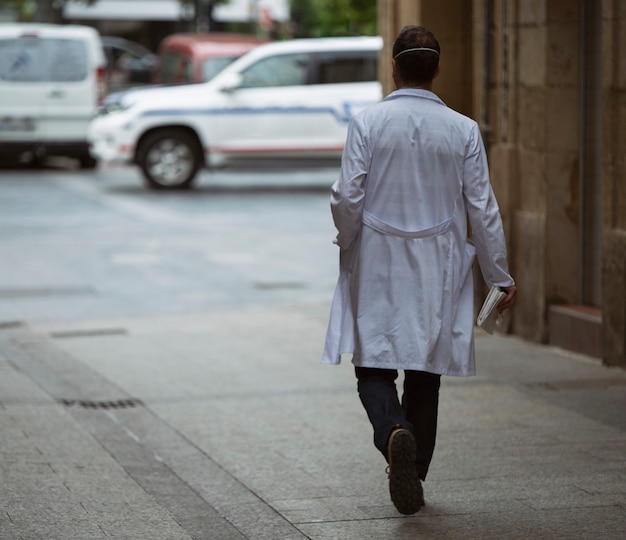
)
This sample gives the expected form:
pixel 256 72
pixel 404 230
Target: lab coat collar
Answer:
pixel 414 92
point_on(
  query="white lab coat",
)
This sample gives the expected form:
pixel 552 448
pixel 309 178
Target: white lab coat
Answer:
pixel 412 171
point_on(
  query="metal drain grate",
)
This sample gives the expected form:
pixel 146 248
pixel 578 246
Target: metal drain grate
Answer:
pixel 272 285
pixel 42 292
pixel 128 403
pixel 8 325
pixel 583 384
pixel 88 332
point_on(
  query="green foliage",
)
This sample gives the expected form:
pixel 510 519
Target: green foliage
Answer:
pixel 322 18
pixel 24 9
pixel 194 2
pixel 311 18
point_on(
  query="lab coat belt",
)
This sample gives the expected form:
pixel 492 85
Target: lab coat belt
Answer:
pixel 378 225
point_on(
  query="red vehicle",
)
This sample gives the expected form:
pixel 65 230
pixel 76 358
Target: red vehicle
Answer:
pixel 196 58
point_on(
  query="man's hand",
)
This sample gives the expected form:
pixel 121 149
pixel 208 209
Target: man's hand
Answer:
pixel 509 299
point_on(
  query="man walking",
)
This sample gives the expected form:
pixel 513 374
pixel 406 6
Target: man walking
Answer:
pixel 412 172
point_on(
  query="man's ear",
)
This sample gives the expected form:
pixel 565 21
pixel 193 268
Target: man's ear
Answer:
pixel 437 71
pixel 394 73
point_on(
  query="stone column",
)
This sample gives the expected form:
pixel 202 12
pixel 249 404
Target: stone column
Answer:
pixel 451 22
pixel 614 184
pixel 392 16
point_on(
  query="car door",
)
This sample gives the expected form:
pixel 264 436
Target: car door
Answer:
pixel 69 100
pixel 344 81
pixel 266 112
pixel 282 108
pixel 21 95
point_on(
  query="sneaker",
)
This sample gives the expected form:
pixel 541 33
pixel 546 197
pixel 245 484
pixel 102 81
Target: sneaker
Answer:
pixel 405 487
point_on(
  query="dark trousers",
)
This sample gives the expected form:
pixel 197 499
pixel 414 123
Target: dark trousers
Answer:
pixel 417 412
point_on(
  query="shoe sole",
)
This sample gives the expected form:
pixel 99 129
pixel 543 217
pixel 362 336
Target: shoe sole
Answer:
pixel 405 487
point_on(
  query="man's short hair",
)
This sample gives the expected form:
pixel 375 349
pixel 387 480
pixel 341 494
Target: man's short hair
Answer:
pixel 416 67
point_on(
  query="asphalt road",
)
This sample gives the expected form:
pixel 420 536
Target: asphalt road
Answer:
pixel 84 244
pixel 160 378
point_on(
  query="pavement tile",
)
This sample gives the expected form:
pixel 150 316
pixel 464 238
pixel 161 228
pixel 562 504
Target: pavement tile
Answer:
pixel 253 438
pixel 9 530
pixel 336 508
pixel 397 528
pixel 603 483
pixel 612 451
pixel 262 523
pixel 605 522
pixel 54 520
pixel 571 491
pixel 16 387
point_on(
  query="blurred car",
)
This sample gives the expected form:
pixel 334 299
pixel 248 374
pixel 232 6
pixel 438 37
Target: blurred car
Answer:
pixel 289 98
pixel 187 59
pixel 128 63
pixel 196 58
pixel 52 81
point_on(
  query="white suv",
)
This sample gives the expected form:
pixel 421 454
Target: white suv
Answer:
pixel 52 80
pixel 290 98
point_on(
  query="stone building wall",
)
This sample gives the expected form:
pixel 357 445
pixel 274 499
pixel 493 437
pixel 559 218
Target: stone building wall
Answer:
pixel 614 180
pixel 545 134
pixel 524 69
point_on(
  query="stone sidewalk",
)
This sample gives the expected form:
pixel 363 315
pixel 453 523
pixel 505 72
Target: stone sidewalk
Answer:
pixel 224 425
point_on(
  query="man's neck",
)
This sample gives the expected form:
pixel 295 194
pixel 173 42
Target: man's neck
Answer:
pixel 428 87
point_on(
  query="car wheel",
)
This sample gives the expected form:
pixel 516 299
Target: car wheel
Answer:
pixel 170 159
pixel 87 162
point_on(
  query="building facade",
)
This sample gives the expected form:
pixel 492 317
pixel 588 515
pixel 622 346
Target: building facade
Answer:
pixel 546 81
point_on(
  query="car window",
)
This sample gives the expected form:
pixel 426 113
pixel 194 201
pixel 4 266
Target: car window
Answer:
pixel 186 72
pixel 212 66
pixel 34 59
pixel 280 70
pixel 114 53
pixel 120 56
pixel 346 67
pixel 168 67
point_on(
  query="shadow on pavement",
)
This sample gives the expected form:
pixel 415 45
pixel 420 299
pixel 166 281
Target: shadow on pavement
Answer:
pixel 17 163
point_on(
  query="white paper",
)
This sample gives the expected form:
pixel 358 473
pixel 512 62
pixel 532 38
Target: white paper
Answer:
pixel 489 318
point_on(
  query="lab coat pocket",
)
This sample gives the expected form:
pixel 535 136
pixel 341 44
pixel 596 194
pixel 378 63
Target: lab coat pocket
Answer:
pixel 468 260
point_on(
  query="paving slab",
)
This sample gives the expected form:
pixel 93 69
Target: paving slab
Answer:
pixel 225 425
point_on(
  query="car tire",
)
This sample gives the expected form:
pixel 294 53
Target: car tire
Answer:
pixel 87 162
pixel 170 159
